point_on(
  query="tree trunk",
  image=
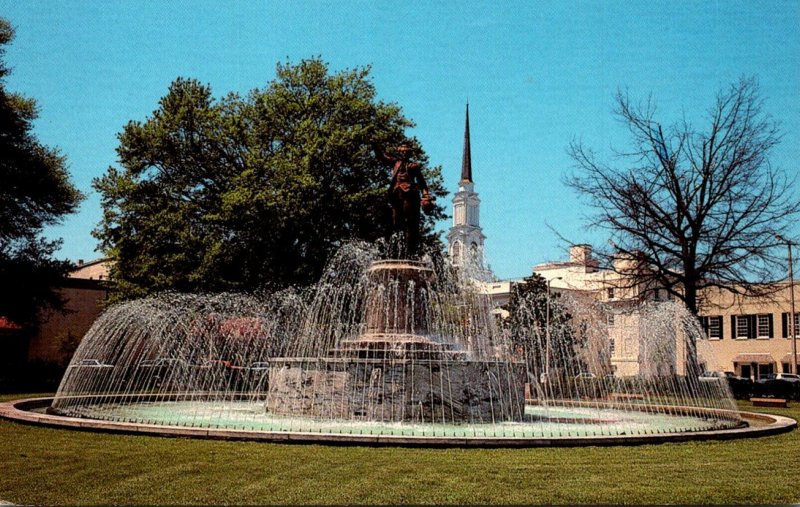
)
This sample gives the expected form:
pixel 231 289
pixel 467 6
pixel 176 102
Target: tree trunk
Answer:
pixel 690 299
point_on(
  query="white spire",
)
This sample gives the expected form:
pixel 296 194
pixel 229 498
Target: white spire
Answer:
pixel 465 239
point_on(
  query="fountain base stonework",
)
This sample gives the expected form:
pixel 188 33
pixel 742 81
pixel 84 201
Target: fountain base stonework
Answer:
pixel 397 390
pixel 394 371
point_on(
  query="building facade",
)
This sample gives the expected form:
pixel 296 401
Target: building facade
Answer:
pixel 60 332
pixel 620 307
pixel 747 335
pixel 750 336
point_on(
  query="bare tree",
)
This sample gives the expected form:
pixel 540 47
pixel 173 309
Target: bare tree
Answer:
pixel 694 208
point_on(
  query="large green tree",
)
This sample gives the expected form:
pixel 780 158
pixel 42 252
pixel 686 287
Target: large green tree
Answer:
pixel 245 191
pixel 35 191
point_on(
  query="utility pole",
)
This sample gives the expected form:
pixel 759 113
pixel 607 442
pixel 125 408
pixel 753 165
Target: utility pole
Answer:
pixel 792 331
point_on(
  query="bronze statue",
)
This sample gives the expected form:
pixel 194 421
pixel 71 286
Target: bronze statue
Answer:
pixel 404 195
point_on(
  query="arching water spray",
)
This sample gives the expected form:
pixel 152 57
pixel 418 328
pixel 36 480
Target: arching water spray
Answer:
pixel 392 347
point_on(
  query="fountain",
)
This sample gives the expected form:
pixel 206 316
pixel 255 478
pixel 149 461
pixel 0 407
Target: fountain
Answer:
pixel 395 370
pixel 382 351
pixel 389 350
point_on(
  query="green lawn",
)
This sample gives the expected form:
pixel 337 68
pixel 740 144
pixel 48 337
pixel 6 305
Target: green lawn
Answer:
pixel 50 466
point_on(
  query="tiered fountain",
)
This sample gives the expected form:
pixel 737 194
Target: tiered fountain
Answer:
pixel 394 370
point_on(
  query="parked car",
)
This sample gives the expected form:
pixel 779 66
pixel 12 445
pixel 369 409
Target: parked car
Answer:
pixel 741 387
pixel 90 363
pixel 152 373
pixel 161 362
pixel 778 385
pixel 257 376
pixel 214 364
pixel 258 366
pixel 92 371
pixel 219 374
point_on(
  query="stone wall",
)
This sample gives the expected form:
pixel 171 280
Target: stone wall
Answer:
pixel 410 390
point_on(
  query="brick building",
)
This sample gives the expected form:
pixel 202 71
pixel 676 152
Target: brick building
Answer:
pixel 749 335
pixel 60 332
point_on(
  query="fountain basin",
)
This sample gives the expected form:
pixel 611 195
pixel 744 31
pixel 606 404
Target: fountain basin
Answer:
pixel 32 411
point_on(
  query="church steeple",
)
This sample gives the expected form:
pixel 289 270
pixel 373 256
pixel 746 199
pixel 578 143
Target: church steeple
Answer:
pixel 466 159
pixel 465 237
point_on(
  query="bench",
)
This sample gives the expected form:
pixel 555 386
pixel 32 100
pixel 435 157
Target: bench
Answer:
pixel 769 402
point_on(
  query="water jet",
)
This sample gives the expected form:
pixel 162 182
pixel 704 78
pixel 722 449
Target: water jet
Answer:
pixel 384 351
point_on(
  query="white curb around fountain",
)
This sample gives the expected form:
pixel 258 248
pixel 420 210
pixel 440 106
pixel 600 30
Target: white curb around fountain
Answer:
pixel 23 411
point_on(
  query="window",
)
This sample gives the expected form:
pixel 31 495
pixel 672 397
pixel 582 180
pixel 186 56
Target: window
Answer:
pixel 610 293
pixel 712 326
pixel 611 346
pixel 715 327
pixel 610 320
pixel 763 326
pixel 752 326
pixel 458 215
pixel 742 325
pixel 785 324
pixel 456 252
pixel 745 371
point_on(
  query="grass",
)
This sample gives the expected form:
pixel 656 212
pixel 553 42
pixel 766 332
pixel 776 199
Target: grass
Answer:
pixel 47 466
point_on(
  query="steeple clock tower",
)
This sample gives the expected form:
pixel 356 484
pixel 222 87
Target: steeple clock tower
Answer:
pixel 465 238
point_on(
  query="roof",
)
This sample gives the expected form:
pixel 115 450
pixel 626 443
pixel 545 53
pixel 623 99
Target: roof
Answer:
pixel 466 160
pixel 81 264
pixel 94 270
pixel 592 264
pixel 788 357
pixel 754 357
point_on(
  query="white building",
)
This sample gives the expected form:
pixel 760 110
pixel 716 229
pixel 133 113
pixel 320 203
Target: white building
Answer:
pixel 621 301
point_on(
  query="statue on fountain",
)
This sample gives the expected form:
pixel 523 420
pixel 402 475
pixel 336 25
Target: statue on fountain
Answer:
pixel 404 194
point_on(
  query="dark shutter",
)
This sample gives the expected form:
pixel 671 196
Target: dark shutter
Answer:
pixel 721 327
pixel 733 326
pixel 785 324
pixel 751 326
pixel 771 326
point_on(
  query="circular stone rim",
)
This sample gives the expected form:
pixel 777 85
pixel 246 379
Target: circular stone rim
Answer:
pixel 20 411
pixel 398 264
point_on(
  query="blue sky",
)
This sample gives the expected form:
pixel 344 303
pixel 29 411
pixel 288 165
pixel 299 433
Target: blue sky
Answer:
pixel 537 75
